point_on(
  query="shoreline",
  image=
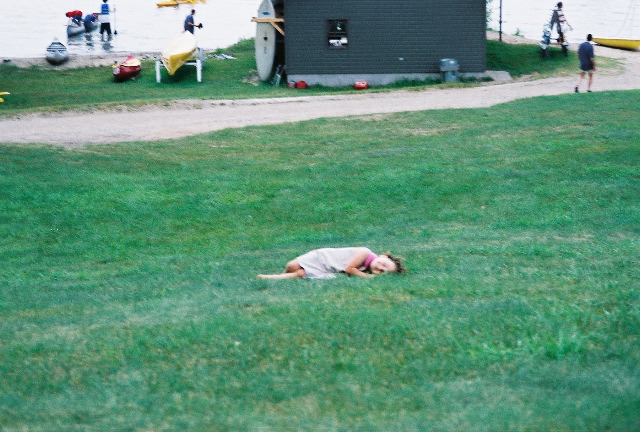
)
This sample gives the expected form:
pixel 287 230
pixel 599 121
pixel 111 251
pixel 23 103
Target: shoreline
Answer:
pixel 81 60
pixel 108 59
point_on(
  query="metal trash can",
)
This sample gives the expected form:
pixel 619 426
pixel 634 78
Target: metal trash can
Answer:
pixel 449 70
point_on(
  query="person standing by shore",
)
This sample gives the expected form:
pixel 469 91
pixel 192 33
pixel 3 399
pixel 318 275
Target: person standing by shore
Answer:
pixel 587 63
pixel 89 21
pixel 559 20
pixel 562 26
pixel 189 22
pixel 105 18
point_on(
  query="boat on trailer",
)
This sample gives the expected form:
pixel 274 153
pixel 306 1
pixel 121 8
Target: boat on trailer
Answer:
pixel 179 51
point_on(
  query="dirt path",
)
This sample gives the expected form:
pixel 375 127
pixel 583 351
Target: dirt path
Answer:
pixel 155 123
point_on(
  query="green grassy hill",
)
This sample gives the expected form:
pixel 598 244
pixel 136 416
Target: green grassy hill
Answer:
pixel 129 303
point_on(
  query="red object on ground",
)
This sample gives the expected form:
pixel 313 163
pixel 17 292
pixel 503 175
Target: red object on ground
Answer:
pixel 127 69
pixel 301 85
pixel 361 85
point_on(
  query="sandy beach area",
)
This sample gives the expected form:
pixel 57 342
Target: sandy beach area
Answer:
pixel 180 119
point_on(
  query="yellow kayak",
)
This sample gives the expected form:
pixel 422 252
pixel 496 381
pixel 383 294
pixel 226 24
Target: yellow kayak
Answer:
pixel 630 44
pixel 175 2
pixel 179 51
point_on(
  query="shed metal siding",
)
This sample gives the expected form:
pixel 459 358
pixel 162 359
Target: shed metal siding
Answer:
pixel 386 37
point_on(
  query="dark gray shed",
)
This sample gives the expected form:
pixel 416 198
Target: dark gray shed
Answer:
pixel 338 42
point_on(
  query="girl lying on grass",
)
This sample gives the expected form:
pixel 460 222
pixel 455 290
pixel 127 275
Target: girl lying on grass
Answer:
pixel 325 263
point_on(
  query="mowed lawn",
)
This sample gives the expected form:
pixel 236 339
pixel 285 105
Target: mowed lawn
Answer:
pixel 128 297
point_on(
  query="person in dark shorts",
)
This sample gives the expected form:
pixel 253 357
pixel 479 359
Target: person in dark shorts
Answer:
pixel 587 63
pixel 105 19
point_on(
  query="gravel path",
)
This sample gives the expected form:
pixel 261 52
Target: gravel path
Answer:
pixel 176 121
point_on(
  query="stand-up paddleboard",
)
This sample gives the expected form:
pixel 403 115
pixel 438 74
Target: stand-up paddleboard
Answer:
pixel 265 41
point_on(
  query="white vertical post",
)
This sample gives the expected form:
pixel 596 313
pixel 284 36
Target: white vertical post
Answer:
pixel 157 71
pixel 199 70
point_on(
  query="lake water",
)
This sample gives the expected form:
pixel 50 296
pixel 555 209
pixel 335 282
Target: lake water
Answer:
pixel 611 18
pixel 27 28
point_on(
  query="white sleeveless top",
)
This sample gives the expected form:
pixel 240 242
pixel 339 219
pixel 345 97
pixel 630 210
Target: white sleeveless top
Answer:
pixel 324 263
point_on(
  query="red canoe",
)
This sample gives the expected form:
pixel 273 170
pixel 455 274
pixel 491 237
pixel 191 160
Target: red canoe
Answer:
pixel 129 68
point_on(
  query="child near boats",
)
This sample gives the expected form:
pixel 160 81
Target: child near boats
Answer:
pixel 326 262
